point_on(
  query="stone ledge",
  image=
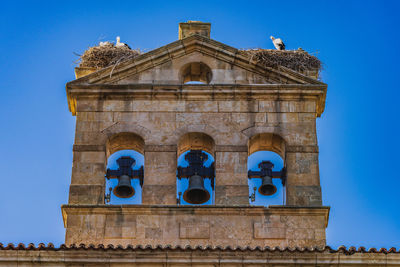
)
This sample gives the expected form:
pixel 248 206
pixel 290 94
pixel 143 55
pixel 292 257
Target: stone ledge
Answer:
pixel 88 148
pixel 302 149
pixel 189 209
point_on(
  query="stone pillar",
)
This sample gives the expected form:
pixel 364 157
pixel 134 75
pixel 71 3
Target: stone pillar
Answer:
pixel 159 186
pixel 87 182
pixel 231 185
pixel 89 157
pixel 303 186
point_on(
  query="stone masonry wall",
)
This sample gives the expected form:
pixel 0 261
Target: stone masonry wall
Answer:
pixel 161 124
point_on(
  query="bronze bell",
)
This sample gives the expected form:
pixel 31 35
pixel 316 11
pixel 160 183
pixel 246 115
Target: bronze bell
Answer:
pixel 196 193
pixel 267 188
pixel 124 188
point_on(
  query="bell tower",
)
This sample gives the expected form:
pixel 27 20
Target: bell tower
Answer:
pixel 207 102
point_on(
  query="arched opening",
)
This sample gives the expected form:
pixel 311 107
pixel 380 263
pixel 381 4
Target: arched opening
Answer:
pixel 135 197
pixel 125 141
pixel 253 162
pixel 125 169
pixel 266 170
pixel 195 170
pixel 195 73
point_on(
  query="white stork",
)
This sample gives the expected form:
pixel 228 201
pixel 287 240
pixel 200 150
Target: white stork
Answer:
pixel 106 43
pixel 278 43
pixel 119 44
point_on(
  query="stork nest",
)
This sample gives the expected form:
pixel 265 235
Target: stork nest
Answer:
pixel 298 60
pixel 104 56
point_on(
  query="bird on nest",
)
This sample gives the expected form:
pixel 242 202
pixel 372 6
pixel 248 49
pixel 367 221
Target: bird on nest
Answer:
pixel 106 43
pixel 279 45
pixel 119 44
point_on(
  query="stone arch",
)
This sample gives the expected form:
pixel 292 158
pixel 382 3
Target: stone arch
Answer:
pixel 197 141
pixel 123 127
pixel 195 128
pixel 195 71
pixel 269 142
pixel 124 141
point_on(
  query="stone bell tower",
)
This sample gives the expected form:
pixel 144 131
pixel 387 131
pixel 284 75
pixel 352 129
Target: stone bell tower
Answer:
pixel 239 106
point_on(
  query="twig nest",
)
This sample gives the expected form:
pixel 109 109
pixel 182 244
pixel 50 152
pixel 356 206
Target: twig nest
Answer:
pixel 297 60
pixel 106 55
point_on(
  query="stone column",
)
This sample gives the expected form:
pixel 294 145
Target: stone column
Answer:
pixel 231 185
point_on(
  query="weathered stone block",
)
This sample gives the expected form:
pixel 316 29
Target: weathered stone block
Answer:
pixel 90 156
pixel 304 195
pixel 300 233
pixel 194 230
pixel 90 138
pixel 238 106
pixel 89 105
pixel 86 194
pixel 201 106
pixel 131 116
pixel 94 116
pixel 159 194
pixel 153 233
pixel 160 168
pixel 231 162
pixel 264 231
pixel 117 105
pixel 228 178
pixel 232 195
pixel 157 106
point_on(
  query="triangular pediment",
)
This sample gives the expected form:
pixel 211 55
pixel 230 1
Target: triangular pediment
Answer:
pixel 165 65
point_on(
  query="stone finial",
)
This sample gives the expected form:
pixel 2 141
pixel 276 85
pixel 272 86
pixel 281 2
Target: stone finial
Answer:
pixel 192 27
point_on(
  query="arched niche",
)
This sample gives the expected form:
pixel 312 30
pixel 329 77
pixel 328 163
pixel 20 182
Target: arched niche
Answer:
pixel 267 142
pixel 252 164
pixel 267 147
pixel 135 183
pixel 195 72
pixel 124 141
pixel 196 141
pixel 183 184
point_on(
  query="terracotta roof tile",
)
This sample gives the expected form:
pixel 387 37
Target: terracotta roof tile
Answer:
pixel 342 249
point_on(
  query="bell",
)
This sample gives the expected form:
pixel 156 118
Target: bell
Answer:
pixel 124 188
pixel 267 188
pixel 196 193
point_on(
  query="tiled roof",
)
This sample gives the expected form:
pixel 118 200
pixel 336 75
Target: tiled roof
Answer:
pixel 63 247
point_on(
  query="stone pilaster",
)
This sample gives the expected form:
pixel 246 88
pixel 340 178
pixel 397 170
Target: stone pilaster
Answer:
pixel 231 178
pixel 159 177
pixel 303 186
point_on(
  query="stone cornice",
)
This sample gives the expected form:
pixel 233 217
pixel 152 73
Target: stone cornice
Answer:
pixel 199 92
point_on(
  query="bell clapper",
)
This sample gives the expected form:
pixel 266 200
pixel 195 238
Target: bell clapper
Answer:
pixel 108 196
pixel 178 200
pixel 253 195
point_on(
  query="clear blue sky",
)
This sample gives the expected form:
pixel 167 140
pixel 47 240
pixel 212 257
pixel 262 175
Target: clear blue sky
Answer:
pixel 358 42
